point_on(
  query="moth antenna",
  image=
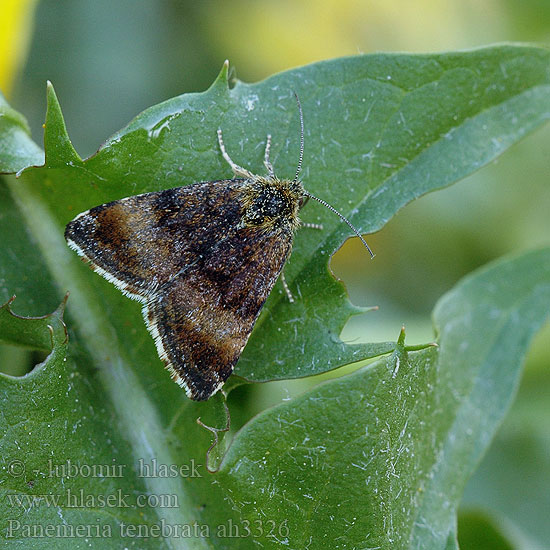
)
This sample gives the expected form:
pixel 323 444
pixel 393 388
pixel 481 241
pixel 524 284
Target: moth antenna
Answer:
pixel 301 138
pixel 342 217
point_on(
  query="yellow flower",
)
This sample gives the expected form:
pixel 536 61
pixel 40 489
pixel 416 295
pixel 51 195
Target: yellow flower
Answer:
pixel 16 22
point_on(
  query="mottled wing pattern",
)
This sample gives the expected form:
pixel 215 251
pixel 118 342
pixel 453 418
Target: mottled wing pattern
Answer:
pixel 202 319
pixel 202 277
pixel 139 243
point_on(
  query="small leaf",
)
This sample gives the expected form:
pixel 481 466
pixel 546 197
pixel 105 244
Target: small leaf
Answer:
pixel 17 150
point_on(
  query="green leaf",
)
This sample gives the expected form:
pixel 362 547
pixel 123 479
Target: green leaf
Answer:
pixel 513 478
pixel 23 269
pixel 59 149
pixel 380 131
pixel 38 333
pixel 111 398
pixel 66 464
pixel 17 150
pixel 379 458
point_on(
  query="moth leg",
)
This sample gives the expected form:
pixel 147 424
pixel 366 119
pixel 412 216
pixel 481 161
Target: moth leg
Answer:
pixel 312 225
pixel 267 162
pixel 239 171
pixel 287 290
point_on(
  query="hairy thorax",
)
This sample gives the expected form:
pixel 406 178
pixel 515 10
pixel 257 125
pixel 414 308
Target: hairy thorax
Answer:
pixel 272 203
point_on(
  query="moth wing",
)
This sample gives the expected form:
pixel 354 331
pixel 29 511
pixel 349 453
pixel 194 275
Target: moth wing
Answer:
pixel 202 277
pixel 139 243
pixel 202 319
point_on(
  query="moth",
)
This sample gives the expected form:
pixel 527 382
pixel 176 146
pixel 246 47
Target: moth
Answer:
pixel 202 259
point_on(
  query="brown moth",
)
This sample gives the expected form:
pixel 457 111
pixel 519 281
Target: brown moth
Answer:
pixel 202 259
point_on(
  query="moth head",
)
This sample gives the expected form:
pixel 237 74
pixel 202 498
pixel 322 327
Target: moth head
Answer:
pixel 273 203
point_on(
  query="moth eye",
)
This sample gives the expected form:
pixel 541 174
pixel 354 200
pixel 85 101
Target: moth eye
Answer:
pixel 254 218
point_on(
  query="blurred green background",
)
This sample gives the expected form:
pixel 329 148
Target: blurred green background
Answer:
pixel 110 60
